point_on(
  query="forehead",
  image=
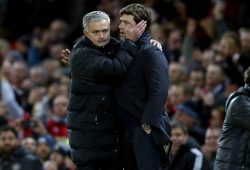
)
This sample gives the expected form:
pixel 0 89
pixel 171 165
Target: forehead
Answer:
pixel 7 133
pixel 213 132
pixel 175 66
pixel 98 25
pixel 214 68
pixel 60 98
pixel 177 130
pixel 175 89
pixel 30 141
pixel 196 74
pixel 128 18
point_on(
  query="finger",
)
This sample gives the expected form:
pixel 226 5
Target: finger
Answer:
pixel 152 41
pixel 64 61
pixel 159 46
pixel 142 24
pixel 141 29
pixel 64 53
pixel 67 50
pixel 139 26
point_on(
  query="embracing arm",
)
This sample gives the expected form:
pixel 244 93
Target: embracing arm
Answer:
pixel 8 96
pixel 92 64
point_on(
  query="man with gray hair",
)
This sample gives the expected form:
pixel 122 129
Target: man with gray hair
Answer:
pixel 97 63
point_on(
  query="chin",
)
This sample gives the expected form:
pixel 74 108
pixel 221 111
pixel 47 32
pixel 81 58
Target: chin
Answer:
pixel 102 44
pixel 122 37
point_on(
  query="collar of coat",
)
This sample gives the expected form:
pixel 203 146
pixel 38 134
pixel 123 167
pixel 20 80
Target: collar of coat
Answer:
pixel 113 43
pixel 144 38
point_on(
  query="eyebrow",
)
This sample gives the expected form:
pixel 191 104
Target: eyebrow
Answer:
pixel 100 30
pixel 123 20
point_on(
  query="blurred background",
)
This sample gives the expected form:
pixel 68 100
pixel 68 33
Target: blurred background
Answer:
pixel 207 44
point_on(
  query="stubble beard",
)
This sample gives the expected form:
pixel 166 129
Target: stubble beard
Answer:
pixel 122 37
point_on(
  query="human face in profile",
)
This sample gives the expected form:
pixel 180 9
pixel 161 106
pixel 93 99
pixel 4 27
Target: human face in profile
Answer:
pixel 127 21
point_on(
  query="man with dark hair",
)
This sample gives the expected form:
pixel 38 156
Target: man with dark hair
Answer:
pixel 12 156
pixel 186 153
pixel 139 13
pixel 141 99
pixel 233 150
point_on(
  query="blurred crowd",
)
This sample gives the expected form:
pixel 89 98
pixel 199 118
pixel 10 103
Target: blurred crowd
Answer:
pixel 207 44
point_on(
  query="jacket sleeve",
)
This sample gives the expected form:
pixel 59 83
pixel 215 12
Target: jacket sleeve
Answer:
pixel 113 70
pixel 102 68
pixel 239 109
pixel 8 96
pixel 156 77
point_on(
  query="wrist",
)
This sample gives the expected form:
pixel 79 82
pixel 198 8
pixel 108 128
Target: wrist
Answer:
pixel 145 126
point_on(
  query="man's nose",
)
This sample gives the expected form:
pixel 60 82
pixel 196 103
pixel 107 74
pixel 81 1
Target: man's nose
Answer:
pixel 120 25
pixel 101 35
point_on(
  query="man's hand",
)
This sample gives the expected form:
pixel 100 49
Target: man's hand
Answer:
pixel 156 43
pixel 65 54
pixel 133 33
pixel 191 26
pixel 146 128
pixel 148 131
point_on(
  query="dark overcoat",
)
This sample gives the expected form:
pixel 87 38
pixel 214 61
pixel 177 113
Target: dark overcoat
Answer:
pixel 94 71
pixel 144 91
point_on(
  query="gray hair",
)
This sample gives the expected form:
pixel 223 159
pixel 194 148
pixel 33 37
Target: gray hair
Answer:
pixel 94 16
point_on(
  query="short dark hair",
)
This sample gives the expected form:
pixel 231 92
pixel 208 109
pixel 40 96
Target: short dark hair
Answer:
pixel 176 124
pixel 8 128
pixel 247 76
pixel 139 11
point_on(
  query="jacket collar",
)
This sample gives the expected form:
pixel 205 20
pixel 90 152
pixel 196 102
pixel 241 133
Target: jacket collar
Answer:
pixel 145 37
pixel 247 88
pixel 86 42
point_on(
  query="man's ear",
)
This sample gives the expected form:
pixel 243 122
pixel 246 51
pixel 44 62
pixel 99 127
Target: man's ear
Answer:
pixel 84 32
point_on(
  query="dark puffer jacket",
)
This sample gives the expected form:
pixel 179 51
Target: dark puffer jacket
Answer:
pixel 94 71
pixel 234 146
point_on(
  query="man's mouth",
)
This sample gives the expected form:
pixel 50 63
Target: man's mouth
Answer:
pixel 121 32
